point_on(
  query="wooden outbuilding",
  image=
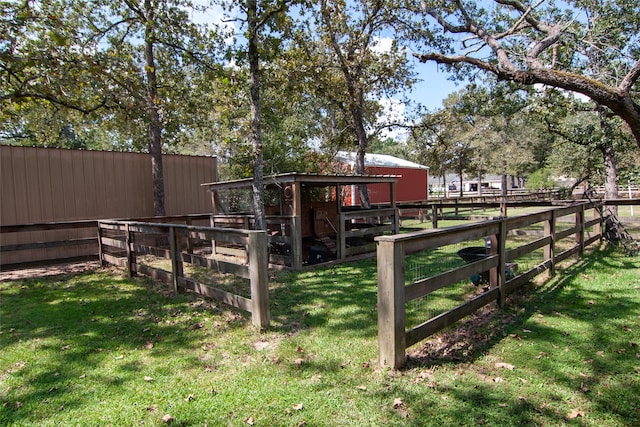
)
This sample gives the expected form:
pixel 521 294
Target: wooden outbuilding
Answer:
pixel 307 219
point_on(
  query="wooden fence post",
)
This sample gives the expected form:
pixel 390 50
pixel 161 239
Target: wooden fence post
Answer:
pixel 100 249
pixel 391 304
pixel 130 253
pixel 188 222
pixel 550 249
pixel 502 262
pixel 342 230
pixel 434 216
pixel 212 224
pixel 580 226
pixel 176 259
pixel 259 276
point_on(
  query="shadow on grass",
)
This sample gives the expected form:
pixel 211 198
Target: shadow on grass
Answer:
pixel 69 326
pixel 341 298
pixel 574 335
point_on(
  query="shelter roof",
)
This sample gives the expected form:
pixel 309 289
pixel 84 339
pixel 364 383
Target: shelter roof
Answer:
pixel 380 160
pixel 306 179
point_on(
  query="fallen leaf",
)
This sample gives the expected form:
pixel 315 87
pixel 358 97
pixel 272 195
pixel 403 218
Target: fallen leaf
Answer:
pixel 584 388
pixel 65 347
pixel 83 376
pixel 397 402
pixel 600 353
pixel 498 380
pixel 147 378
pixel 148 345
pixel 298 406
pixel 575 414
pixel 298 361
pixel 250 421
pixel 526 331
pixel 196 326
pixel 300 349
pixel 361 387
pixel 504 366
pixel 541 355
pixel 626 328
pixel 152 408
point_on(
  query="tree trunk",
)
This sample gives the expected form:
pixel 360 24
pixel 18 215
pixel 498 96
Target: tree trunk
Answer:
pixel 257 186
pixel 609 160
pixel 153 116
pixel 505 144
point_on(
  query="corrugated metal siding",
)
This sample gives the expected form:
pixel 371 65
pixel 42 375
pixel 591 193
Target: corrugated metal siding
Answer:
pixel 45 185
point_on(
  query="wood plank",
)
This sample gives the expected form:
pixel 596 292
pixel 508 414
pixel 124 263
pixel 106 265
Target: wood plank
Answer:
pixel 430 239
pixel 356 250
pixel 139 249
pixel 155 273
pixel 522 221
pixel 566 254
pixel 216 294
pixel 526 276
pixel 221 265
pixel 515 253
pixel 108 241
pixel 440 322
pixel 49 245
pixel 41 226
pixel 426 286
pixel 566 233
pixel 119 261
pixel 368 231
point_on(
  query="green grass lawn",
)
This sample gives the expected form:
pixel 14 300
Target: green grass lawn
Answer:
pixel 101 349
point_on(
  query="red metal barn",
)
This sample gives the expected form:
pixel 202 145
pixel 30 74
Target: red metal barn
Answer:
pixel 412 183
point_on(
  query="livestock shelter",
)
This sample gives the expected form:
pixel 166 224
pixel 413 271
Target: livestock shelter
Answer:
pixel 413 178
pixel 308 220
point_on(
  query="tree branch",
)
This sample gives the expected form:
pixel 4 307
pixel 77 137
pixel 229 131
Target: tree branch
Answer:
pixel 631 78
pixel 16 96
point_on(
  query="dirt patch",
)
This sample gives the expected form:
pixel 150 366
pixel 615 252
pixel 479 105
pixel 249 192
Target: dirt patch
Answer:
pixel 469 338
pixel 47 271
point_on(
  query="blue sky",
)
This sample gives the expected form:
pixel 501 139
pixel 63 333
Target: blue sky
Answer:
pixel 434 87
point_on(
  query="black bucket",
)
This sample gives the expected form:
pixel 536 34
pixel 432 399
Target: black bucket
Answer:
pixel 473 253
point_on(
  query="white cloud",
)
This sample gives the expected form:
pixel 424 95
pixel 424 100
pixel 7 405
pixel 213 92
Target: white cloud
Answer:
pixel 382 44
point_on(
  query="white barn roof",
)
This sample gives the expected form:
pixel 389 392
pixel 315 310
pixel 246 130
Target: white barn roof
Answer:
pixel 381 160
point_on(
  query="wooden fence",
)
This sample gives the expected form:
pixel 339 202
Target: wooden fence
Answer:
pixel 46 185
pixel 396 290
pixel 137 246
pixel 60 242
pixel 48 242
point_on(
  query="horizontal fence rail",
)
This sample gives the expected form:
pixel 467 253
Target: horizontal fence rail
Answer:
pixel 511 252
pixel 47 243
pixel 242 253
